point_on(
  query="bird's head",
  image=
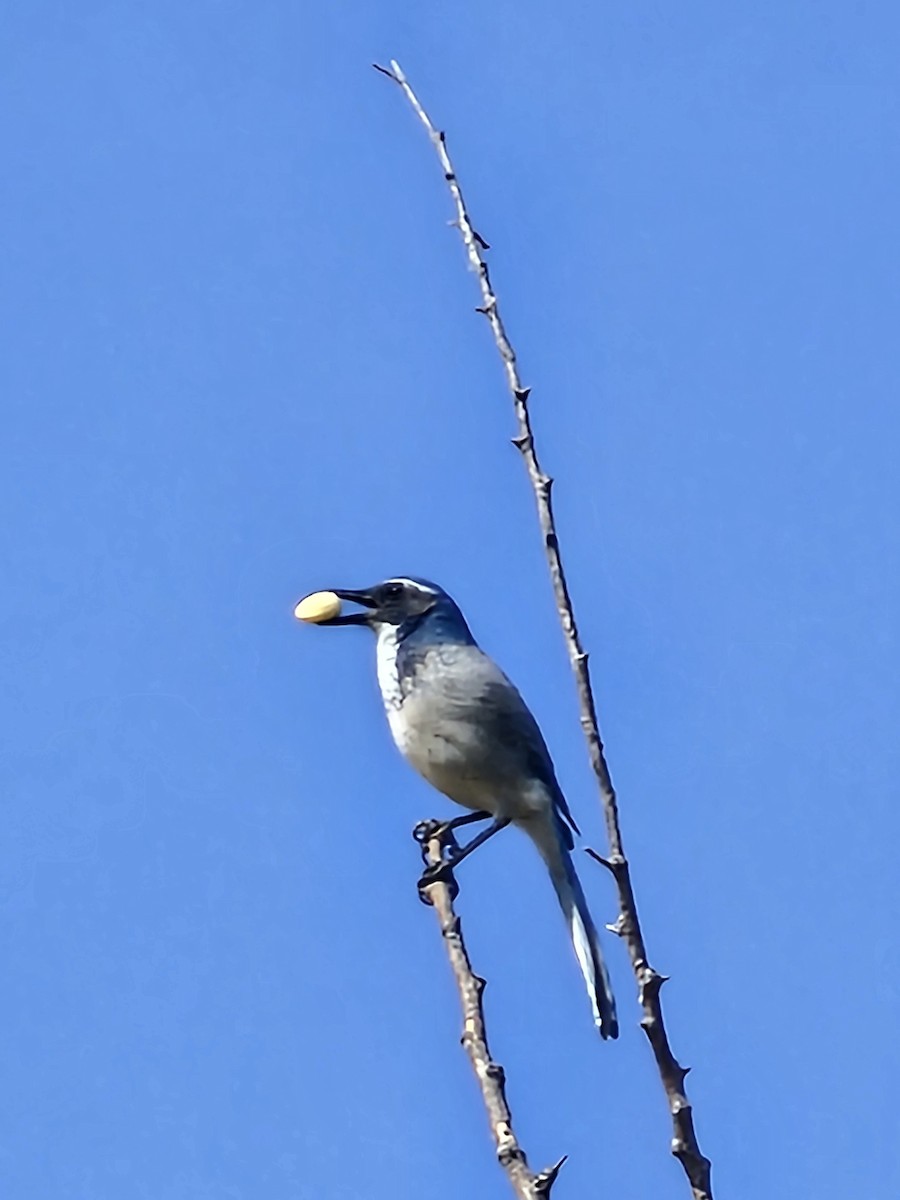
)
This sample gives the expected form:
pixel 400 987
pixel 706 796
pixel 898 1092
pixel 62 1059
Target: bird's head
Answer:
pixel 403 603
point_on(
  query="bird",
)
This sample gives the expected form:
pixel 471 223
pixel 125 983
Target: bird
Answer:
pixel 461 723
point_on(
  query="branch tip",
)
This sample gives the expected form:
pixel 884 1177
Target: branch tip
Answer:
pixel 695 1165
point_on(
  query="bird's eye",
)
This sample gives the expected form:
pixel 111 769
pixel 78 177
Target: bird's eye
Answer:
pixel 392 591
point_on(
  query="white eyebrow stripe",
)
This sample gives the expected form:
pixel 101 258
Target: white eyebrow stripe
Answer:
pixel 411 583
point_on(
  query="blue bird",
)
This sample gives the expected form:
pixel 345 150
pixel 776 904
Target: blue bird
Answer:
pixel 459 721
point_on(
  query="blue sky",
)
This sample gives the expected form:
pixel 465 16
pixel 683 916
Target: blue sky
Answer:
pixel 241 363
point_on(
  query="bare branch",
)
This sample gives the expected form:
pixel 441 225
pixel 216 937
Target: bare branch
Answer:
pixel 684 1143
pixel 490 1074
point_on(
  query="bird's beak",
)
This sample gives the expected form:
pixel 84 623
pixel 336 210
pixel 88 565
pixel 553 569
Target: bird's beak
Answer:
pixel 363 598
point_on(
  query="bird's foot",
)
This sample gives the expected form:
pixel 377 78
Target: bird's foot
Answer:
pixel 426 832
pixel 442 872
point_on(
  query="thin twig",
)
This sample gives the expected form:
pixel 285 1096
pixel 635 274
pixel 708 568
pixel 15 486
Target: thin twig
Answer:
pixel 684 1143
pixel 490 1075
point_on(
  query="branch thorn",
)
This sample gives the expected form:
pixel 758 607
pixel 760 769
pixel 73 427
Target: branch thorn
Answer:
pixel 545 1181
pixel 604 862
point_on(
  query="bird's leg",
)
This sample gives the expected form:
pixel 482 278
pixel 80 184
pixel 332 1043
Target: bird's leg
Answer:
pixel 495 826
pixel 467 819
pixel 426 830
pixel 440 872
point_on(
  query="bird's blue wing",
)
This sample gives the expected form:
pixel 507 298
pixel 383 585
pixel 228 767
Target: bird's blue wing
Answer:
pixel 513 726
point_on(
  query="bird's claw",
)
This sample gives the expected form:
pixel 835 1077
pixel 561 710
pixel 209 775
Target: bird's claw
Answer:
pixel 437 873
pixel 426 830
pixel 442 872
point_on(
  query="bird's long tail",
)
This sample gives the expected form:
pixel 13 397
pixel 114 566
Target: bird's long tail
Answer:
pixel 550 837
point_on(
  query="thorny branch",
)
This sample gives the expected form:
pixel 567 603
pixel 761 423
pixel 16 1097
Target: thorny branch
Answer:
pixel 490 1075
pixel 684 1143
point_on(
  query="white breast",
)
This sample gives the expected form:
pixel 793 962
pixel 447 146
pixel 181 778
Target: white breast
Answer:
pixel 389 681
pixel 388 675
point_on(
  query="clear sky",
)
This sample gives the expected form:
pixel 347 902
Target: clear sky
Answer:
pixel 241 363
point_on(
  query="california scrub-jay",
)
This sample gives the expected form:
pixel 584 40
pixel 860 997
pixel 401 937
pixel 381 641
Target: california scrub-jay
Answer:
pixel 460 722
